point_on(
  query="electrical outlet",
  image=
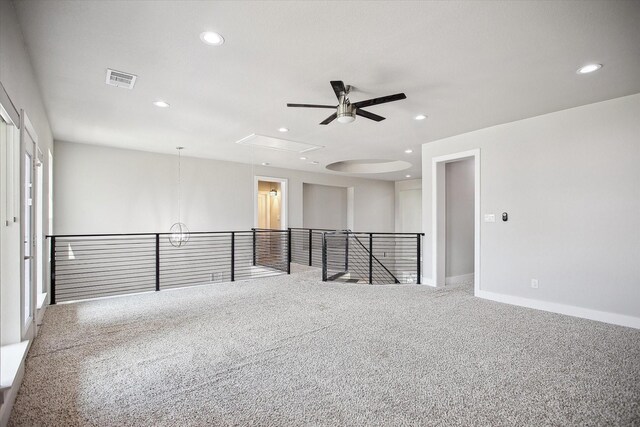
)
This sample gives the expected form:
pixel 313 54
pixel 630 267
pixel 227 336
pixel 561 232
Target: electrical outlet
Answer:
pixel 534 283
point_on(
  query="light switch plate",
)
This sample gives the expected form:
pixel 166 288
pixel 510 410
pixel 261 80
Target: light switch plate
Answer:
pixel 489 218
pixel 534 283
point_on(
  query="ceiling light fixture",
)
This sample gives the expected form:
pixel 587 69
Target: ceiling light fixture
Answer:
pixel 283 130
pixel 314 163
pixel 160 104
pixel 420 117
pixel 303 158
pixel 265 163
pixel 408 151
pixel 212 38
pixel 589 68
pixel 273 192
pixel 407 176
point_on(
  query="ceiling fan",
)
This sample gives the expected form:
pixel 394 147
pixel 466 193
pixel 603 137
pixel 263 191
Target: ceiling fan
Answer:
pixel 346 111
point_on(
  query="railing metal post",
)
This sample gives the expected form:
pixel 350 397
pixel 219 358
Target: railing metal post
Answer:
pixel 157 262
pixel 310 247
pixel 52 266
pixel 289 251
pixel 418 260
pixel 254 245
pixel 346 254
pixel 370 258
pixel 233 256
pixel 324 257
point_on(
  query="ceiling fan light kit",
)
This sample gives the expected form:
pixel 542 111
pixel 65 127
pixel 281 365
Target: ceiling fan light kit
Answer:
pixel 346 111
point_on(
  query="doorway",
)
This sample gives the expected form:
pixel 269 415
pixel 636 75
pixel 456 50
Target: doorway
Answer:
pixel 456 218
pixel 270 203
pixel 459 262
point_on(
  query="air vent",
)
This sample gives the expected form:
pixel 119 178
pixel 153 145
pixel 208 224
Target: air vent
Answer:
pixel 120 79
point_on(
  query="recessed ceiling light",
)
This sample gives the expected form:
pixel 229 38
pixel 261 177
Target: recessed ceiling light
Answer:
pixel 589 68
pixel 160 104
pixel 314 162
pixel 303 158
pixel 265 163
pixel 211 38
pixel 407 176
pixel 408 151
pixel 420 117
pixel 283 130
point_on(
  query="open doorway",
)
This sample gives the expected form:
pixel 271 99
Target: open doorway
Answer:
pixel 456 219
pixel 459 233
pixel 270 203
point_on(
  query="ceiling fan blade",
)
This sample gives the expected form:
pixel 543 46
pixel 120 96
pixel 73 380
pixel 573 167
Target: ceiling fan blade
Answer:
pixel 369 115
pixel 329 119
pixel 312 106
pixel 381 100
pixel 338 87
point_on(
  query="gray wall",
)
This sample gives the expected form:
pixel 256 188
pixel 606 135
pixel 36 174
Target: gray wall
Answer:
pixel 324 206
pixel 570 181
pixel 104 189
pixel 18 79
pixel 459 179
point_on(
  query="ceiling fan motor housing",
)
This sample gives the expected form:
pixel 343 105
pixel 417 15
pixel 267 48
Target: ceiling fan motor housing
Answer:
pixel 346 113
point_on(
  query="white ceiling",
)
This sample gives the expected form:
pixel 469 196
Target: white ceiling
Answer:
pixel 467 65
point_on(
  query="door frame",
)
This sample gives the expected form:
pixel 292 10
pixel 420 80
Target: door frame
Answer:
pixel 439 240
pixel 27 330
pixel 284 209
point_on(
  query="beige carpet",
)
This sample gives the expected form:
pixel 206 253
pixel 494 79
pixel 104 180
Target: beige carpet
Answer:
pixel 291 350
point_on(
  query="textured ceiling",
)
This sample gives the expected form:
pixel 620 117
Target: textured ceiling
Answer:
pixel 467 65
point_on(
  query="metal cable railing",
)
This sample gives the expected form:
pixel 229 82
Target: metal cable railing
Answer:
pixel 99 265
pixel 306 245
pixel 374 258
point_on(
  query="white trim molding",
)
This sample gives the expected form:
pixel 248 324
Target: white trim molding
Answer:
pixel 284 187
pixel 569 310
pixel 438 218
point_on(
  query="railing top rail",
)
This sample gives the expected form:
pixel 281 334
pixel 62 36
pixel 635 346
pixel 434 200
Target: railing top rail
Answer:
pixel 366 233
pixel 333 230
pixel 161 234
pixel 313 229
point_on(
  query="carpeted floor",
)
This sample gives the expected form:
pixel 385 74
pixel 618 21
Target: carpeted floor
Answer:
pixel 291 350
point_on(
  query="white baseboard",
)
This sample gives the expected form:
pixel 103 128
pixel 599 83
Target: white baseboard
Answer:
pixel 569 310
pixel 463 279
pixel 427 282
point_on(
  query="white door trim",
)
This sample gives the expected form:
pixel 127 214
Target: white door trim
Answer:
pixel 284 213
pixel 28 145
pixel 438 217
